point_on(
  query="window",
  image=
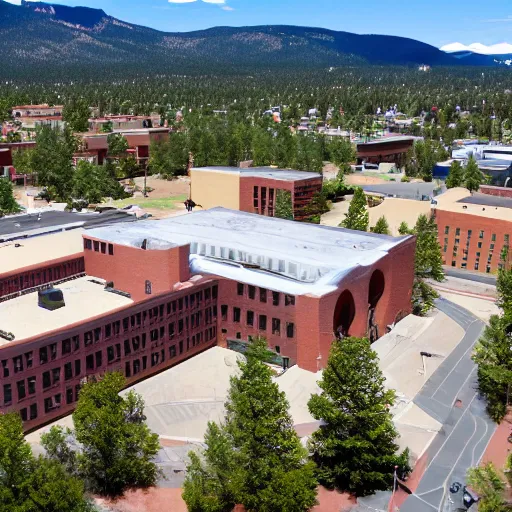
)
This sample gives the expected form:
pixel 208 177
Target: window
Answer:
pixel 96 246
pixel 255 197
pixel 491 247
pixel 224 312
pixel 457 241
pixel 250 318
pixel 289 300
pixel 110 354
pixel 171 331
pixel 33 411
pixel 31 381
pixel 275 298
pixel 47 382
pixel 457 232
pixel 481 235
pixel 66 346
pixel 89 362
pixel 127 369
pixel 69 395
pixel 240 288
pixel 18 364
pixel 127 348
pixel 23 414
pixel 454 264
pixel 238 336
pixel 493 237
pixel 103 248
pixel 445 247
pixel 21 389
pixel 479 245
pixel 181 347
pixel 276 326
pixel 470 232
pixel 277 348
pixel 110 250
pixel 506 238
pixel 7 394
pixel 476 266
pixel 263 295
pixel 28 359
pixel 236 315
pixel 78 367
pixel 446 230
pixel 488 269
pixel 263 323
pixel 88 338
pixel 252 292
pixel 290 330
pixel 180 323
pixel 87 244
pixel 55 375
pixel 172 351
pixel 5 367
pixel 68 371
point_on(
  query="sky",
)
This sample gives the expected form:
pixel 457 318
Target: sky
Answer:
pixel 437 22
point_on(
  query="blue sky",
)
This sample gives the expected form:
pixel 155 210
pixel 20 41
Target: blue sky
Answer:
pixel 434 21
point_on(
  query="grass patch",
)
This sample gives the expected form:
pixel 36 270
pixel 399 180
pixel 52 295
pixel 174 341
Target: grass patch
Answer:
pixel 164 203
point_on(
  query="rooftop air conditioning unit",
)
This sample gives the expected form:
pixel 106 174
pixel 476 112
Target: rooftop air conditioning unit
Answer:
pixel 51 299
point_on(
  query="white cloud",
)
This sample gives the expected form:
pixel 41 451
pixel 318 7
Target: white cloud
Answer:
pixel 494 49
pixel 15 2
pixel 227 8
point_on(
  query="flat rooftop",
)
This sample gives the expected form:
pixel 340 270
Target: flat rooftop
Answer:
pixel 280 255
pixel 84 300
pixel 39 249
pixel 386 140
pixel 263 172
pixel 460 200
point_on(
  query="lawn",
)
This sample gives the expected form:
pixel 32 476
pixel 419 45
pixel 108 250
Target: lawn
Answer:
pixel 164 203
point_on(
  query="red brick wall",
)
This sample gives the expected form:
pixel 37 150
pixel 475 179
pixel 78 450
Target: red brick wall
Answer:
pixel 496 191
pixel 490 228
pixel 155 314
pixel 129 268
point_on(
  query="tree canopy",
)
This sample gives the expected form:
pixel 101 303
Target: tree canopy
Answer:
pixel 76 114
pixel 382 226
pixel 455 176
pixel 8 203
pixel 357 217
pixel 473 176
pixel 355 447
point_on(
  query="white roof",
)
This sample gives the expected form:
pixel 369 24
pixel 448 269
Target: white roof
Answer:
pixel 287 256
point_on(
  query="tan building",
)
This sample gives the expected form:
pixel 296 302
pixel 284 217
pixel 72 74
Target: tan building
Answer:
pixel 252 190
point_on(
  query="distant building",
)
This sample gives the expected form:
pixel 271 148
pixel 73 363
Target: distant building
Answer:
pixel 387 149
pixel 144 296
pixel 32 116
pixel 123 122
pixel 252 190
pixel 473 229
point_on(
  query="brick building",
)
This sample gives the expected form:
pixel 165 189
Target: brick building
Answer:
pixel 252 190
pixel 473 229
pixel 149 294
pixel 387 149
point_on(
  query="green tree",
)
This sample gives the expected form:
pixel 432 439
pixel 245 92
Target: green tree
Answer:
pixel 170 157
pixel 404 229
pixel 422 158
pixel 493 355
pixel 455 176
pixel 357 217
pixel 127 167
pixel 382 226
pixel 115 447
pixel 117 144
pixel 7 202
pixel 22 160
pixel 489 486
pixel 473 176
pixel 256 458
pixel 34 485
pixel 210 485
pixel 428 264
pixel 355 447
pixel 93 182
pixel 76 113
pixel 52 161
pixel 283 207
pixel 262 146
pixel 341 152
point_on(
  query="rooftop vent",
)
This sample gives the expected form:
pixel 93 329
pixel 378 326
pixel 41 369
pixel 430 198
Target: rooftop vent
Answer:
pixel 50 299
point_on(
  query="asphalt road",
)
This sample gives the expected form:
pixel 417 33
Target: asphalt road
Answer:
pixel 451 397
pixel 470 276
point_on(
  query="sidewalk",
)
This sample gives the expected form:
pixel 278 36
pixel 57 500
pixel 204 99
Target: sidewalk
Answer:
pixel 499 448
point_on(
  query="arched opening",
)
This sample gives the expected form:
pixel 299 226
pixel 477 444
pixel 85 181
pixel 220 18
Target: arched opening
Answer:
pixel 344 314
pixel 375 292
pixel 376 289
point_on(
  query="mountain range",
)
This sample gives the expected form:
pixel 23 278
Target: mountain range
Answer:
pixel 38 36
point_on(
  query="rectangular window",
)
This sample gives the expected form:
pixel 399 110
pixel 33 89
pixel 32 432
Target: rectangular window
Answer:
pixel 180 324
pixel 506 238
pixel 7 394
pixel 68 371
pixel 446 230
pixel 172 351
pixel 55 375
pixel 493 237
pixel 33 411
pixel 103 248
pixel 263 295
pixel 78 367
pixel 476 266
pixel 127 369
pixel 89 362
pixel 69 396
pixel 127 348
pixel 457 241
pixel 28 359
pixel 252 292
pixel 481 235
pixel 470 232
pixel 110 250
pixel 289 300
pixel 275 298
pixel 276 326
pixel 98 357
pixel 263 323
pixel 224 312
pixel 240 288
pixel 88 338
pixel 457 232
pixel 23 414
pixel 31 381
pixel 110 354
pixel 96 246
pixel 479 245
pixel 18 364
pixel 236 315
pixel 250 318
pixel 255 197
pixel 66 346
pixel 87 244
pixel 5 368
pixel 290 330
pixel 47 381
pixel 21 389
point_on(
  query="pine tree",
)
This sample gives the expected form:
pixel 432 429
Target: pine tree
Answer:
pixel 455 176
pixel 355 447
pixel 117 144
pixel 256 458
pixel 493 355
pixel 76 113
pixel 7 202
pixel 404 229
pixel 428 260
pixel 473 176
pixel 382 226
pixel 283 208
pixel 357 217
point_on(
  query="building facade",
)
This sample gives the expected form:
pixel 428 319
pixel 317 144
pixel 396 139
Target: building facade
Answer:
pixel 147 295
pixel 253 190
